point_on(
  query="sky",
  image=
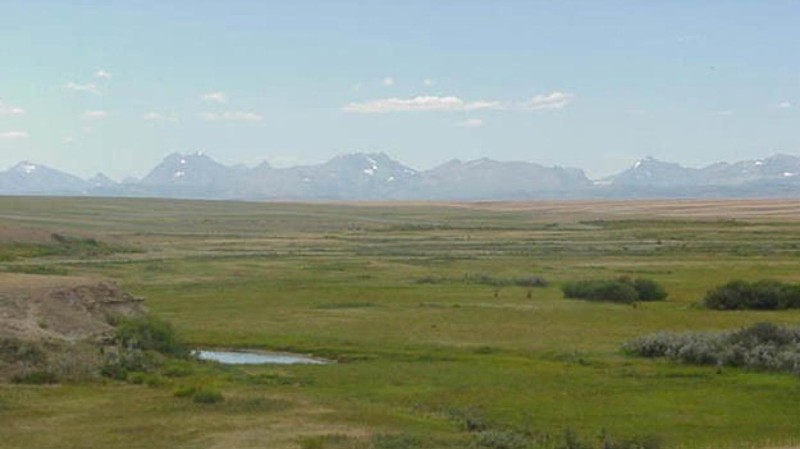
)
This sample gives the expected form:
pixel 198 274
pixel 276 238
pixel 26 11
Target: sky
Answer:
pixel 115 86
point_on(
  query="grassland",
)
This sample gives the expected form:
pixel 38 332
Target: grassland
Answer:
pixel 388 291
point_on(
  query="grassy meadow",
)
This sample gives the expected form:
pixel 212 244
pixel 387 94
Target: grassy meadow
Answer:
pixel 416 304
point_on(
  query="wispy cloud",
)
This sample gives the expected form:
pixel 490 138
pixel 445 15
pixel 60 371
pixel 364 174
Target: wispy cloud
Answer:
pixel 216 97
pixel 388 81
pixel 231 116
pixel 471 123
pixel 13 135
pixel 726 112
pixel 420 103
pixel 784 105
pixel 88 88
pixel 97 114
pixel 553 100
pixel 7 109
pixel 160 117
pixel 428 82
pixel 103 74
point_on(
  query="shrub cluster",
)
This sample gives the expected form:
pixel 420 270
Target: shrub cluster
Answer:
pixel 759 295
pixel 149 334
pixel 140 346
pixel 763 346
pixel 623 289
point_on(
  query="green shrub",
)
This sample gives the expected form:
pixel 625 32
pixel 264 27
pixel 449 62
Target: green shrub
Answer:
pixel 623 290
pixel 649 290
pixel 185 391
pixel 764 294
pixel 199 394
pixel 149 334
pixel 207 395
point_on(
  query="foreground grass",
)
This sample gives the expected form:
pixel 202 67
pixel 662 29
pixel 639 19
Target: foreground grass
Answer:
pixel 414 357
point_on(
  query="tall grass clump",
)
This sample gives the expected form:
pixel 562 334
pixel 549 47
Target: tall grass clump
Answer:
pixel 763 347
pixel 759 295
pixel 623 290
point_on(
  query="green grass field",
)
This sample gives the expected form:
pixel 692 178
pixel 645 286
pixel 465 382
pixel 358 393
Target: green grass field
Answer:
pixel 386 291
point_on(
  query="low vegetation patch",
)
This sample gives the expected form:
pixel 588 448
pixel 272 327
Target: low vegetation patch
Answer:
pixel 60 245
pixel 763 346
pixel 37 269
pixel 29 362
pixel 759 295
pixel 488 279
pixel 624 290
pixel 202 394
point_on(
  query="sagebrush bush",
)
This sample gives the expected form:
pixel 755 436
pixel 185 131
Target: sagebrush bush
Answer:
pixel 764 294
pixel 502 439
pixel 623 290
pixel 763 346
pixel 149 334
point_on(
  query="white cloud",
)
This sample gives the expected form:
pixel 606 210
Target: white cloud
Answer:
pixel 388 81
pixel 11 135
pixel 784 105
pixel 428 82
pixel 553 100
pixel 419 103
pixel 103 74
pixel 726 112
pixel 7 109
pixel 231 116
pixel 160 117
pixel 88 87
pixel 471 123
pixel 95 114
pixel 217 97
pixel 69 139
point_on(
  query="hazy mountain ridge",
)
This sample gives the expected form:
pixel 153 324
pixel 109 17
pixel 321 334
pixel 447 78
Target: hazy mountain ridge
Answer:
pixel 376 176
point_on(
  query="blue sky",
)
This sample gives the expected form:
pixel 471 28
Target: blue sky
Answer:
pixel 114 86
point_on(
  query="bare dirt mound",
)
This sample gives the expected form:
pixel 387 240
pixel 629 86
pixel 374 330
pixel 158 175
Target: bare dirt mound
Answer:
pixel 47 320
pixel 69 309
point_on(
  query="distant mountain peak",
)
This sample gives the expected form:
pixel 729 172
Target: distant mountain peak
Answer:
pixel 25 167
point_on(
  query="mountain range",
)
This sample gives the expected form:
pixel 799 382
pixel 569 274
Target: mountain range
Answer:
pixel 376 176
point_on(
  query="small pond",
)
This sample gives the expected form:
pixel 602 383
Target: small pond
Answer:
pixel 257 358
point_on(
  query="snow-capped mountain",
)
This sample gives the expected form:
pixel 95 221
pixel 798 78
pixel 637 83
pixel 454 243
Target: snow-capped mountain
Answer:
pixel 30 178
pixel 650 172
pixel 196 170
pixel 376 176
pixel 779 169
